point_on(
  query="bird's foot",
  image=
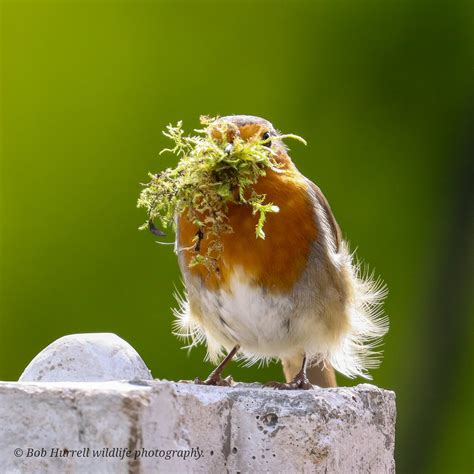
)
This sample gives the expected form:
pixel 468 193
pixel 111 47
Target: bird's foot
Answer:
pixel 298 383
pixel 215 380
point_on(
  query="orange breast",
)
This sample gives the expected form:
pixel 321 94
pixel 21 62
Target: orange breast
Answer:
pixel 274 263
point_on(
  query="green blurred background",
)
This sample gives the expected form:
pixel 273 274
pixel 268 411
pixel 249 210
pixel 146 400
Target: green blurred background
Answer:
pixel 382 91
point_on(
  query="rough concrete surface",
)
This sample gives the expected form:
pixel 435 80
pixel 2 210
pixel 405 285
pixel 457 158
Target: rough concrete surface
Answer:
pixel 245 428
pixel 86 358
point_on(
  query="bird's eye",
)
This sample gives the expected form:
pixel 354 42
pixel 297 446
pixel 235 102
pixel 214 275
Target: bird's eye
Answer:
pixel 266 136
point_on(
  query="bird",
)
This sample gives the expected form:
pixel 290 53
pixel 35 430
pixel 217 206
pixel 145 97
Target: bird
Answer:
pixel 298 296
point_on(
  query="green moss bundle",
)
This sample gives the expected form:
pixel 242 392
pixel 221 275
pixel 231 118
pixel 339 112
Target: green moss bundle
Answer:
pixel 208 177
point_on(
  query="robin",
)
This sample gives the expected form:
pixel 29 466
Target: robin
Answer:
pixel 296 295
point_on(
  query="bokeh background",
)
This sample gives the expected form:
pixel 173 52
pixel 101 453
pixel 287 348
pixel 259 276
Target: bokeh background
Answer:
pixel 382 91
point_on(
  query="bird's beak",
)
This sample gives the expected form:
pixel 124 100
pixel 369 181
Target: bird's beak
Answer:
pixel 228 148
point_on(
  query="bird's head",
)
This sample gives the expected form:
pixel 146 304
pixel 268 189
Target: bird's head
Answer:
pixel 251 128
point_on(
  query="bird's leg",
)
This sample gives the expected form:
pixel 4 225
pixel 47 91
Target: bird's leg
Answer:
pixel 215 376
pixel 300 381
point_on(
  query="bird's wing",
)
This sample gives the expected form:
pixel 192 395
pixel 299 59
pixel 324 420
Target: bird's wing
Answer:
pixel 331 220
pixel 321 374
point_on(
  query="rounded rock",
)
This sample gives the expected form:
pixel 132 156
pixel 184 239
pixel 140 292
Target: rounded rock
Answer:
pixel 94 357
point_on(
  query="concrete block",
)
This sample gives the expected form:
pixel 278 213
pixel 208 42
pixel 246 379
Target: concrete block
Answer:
pixel 162 427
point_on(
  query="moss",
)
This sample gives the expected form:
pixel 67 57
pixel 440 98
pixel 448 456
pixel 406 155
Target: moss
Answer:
pixel 207 178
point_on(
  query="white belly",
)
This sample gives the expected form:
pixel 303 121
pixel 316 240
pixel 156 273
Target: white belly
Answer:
pixel 249 316
pixel 265 325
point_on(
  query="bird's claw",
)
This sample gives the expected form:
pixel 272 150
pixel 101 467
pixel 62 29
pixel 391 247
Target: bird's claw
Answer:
pixel 215 381
pixel 296 384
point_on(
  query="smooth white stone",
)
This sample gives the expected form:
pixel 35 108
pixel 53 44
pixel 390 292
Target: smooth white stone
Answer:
pixel 93 357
